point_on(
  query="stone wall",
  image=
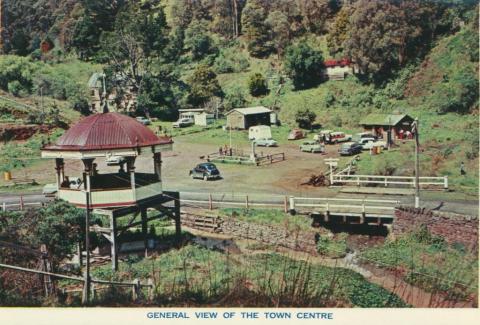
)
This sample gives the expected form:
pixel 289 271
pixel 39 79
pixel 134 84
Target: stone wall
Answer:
pixel 299 240
pixel 454 228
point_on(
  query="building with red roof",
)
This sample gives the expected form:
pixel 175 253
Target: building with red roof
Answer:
pixel 338 69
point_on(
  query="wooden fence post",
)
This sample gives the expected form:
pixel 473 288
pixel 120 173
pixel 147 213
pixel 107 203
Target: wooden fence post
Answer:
pixel 292 205
pixel 136 289
pixel 210 203
pixel 94 291
pixel 21 202
pixel 150 289
pixel 285 204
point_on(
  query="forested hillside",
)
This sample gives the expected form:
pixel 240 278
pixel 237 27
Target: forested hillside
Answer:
pixel 180 53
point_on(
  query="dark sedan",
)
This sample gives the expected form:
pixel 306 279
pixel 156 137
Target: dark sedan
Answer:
pixel 349 149
pixel 205 171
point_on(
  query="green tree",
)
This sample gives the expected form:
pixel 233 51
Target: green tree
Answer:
pixel 174 49
pixel 197 40
pixel 256 30
pixel 203 85
pixel 315 13
pixel 160 94
pixel 138 40
pixel 305 118
pixel 86 37
pixel 384 34
pixel 337 33
pixel 304 65
pixel 257 85
pixel 279 27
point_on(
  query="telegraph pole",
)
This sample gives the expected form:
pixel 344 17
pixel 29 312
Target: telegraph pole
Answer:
pixel 417 169
pixel 86 184
pixel 1 27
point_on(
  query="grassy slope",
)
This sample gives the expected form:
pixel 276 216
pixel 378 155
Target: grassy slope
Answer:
pixel 207 276
pixel 432 265
pixel 71 69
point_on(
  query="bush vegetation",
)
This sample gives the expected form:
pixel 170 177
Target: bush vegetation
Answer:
pixel 429 263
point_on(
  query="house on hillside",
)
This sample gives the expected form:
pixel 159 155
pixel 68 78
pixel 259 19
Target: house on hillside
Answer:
pixel 117 102
pixel 338 69
pixel 244 118
pixel 379 124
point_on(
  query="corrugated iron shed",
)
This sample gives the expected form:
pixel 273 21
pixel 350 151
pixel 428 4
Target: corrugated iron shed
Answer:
pixel 251 110
pixel 383 119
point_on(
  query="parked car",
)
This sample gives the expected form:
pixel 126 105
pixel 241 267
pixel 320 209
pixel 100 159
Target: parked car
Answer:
pixel 265 143
pixel 143 120
pixel 205 171
pixel 359 136
pixel 183 122
pixel 312 146
pixel 296 134
pixel 336 137
pixel 349 149
pixel 370 144
pixel 363 141
pixel 115 160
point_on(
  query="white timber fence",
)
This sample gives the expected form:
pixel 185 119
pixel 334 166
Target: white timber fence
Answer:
pixel 424 181
pixel 20 205
pixel 343 206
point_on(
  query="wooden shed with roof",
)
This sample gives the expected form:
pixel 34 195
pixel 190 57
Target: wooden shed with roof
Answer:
pixel 380 124
pixel 243 118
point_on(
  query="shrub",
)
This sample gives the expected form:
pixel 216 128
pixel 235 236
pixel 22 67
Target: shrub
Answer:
pixel 329 99
pixel 230 60
pixel 305 118
pixel 18 71
pixel 234 98
pixel 257 85
pixel 333 247
pixel 16 88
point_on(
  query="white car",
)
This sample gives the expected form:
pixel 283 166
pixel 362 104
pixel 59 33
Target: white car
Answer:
pixel 265 143
pixel 143 120
pixel 370 144
pixel 183 122
pixel 115 160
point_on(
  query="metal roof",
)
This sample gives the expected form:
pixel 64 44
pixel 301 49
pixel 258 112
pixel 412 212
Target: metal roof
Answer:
pixel 251 110
pixel 383 119
pixel 107 131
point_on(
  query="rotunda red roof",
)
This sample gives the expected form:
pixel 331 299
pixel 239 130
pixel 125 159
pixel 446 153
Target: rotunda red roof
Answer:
pixel 105 131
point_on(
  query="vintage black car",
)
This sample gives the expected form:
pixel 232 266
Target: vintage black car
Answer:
pixel 205 171
pixel 349 149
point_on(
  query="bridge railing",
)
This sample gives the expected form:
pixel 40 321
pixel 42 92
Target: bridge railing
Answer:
pixel 424 181
pixel 342 205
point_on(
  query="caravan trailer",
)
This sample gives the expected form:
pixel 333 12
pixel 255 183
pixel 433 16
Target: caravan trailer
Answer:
pixel 259 132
